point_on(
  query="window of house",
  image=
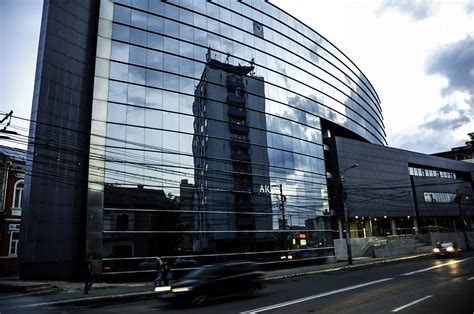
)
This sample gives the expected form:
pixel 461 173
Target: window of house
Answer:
pixel 14 239
pixel 17 197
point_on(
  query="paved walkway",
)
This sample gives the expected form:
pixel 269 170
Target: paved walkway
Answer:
pixel 33 294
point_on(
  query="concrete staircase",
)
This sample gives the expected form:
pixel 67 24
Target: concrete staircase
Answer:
pixel 411 244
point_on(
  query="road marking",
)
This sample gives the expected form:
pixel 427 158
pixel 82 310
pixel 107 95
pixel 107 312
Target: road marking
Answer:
pixel 434 267
pixel 472 278
pixel 411 303
pixel 324 294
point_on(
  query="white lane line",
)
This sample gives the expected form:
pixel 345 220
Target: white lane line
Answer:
pixel 411 303
pixel 434 267
pixel 472 278
pixel 324 294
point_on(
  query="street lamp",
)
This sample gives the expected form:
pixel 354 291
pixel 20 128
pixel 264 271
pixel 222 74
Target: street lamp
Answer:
pixel 459 198
pixel 346 214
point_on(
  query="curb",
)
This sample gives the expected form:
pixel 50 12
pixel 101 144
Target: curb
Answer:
pixel 89 299
pixel 347 267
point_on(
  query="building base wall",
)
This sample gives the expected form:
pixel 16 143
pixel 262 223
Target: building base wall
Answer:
pixel 399 245
pixel 58 270
pixel 8 266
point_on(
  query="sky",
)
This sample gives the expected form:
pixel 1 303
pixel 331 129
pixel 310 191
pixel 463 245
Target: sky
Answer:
pixel 418 55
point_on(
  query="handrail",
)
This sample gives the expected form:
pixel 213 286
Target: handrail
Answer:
pixel 363 247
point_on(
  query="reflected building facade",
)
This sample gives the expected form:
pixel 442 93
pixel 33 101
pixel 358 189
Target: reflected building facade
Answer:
pixel 230 160
pixel 206 121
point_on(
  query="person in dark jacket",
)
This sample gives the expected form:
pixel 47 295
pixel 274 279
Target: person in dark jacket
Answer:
pixel 88 276
pixel 164 272
pixel 159 272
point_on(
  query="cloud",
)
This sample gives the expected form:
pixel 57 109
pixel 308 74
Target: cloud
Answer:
pixel 449 117
pixel 446 124
pixel 470 7
pixel 417 10
pixel 455 62
pixel 437 132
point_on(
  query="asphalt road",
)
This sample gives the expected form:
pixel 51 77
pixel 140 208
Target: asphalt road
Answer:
pixel 424 285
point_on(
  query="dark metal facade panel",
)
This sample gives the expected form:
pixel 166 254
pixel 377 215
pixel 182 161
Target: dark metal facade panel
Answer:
pixel 381 186
pixel 52 236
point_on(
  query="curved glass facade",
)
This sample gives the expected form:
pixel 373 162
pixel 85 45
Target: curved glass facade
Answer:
pixel 206 138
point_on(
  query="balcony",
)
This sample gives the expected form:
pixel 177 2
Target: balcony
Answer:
pixel 234 112
pixel 235 82
pixel 240 156
pixel 236 100
pixel 240 143
pixel 238 128
pixel 241 168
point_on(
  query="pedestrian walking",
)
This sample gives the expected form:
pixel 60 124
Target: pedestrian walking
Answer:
pixel 165 272
pixel 159 271
pixel 88 276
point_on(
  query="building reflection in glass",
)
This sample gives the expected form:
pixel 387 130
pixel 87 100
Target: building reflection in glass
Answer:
pixel 230 160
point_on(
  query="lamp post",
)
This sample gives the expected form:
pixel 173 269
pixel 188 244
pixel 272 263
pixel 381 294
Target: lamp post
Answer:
pixel 459 198
pixel 346 214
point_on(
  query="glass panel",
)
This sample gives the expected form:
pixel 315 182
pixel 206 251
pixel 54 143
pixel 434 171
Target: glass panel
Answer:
pixel 120 32
pixel 136 95
pixel 136 75
pixel 120 52
pixel 139 19
pixel 119 71
pixel 117 92
pixel 138 37
pixel 137 55
pixel 122 14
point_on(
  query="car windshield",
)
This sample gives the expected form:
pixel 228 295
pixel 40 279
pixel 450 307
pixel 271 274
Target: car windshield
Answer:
pixel 445 245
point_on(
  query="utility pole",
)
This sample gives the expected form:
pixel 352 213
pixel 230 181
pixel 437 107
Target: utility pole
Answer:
pixel 4 130
pixel 346 215
pixel 459 198
pixel 282 207
pixel 283 218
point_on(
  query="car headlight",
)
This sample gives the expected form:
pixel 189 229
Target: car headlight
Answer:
pixel 436 250
pixel 183 289
pixel 162 288
pixel 450 249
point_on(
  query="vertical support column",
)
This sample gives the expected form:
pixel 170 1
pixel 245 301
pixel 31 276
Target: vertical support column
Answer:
pixel 415 226
pixel 393 226
pixel 339 225
pixel 368 227
pixel 96 179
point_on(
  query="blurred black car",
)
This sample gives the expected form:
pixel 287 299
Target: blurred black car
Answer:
pixel 214 282
pixel 448 249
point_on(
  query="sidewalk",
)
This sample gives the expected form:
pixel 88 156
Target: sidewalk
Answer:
pixel 32 294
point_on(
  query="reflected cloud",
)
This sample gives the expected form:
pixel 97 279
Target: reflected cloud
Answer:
pixel 416 10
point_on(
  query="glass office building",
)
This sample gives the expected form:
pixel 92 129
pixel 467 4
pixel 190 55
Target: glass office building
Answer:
pixel 206 138
pixel 206 122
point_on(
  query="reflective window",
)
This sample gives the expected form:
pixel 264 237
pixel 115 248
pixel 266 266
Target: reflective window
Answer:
pixel 138 37
pixel 122 14
pixel 117 92
pixel 120 32
pixel 120 51
pixel 137 55
pixel 119 71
